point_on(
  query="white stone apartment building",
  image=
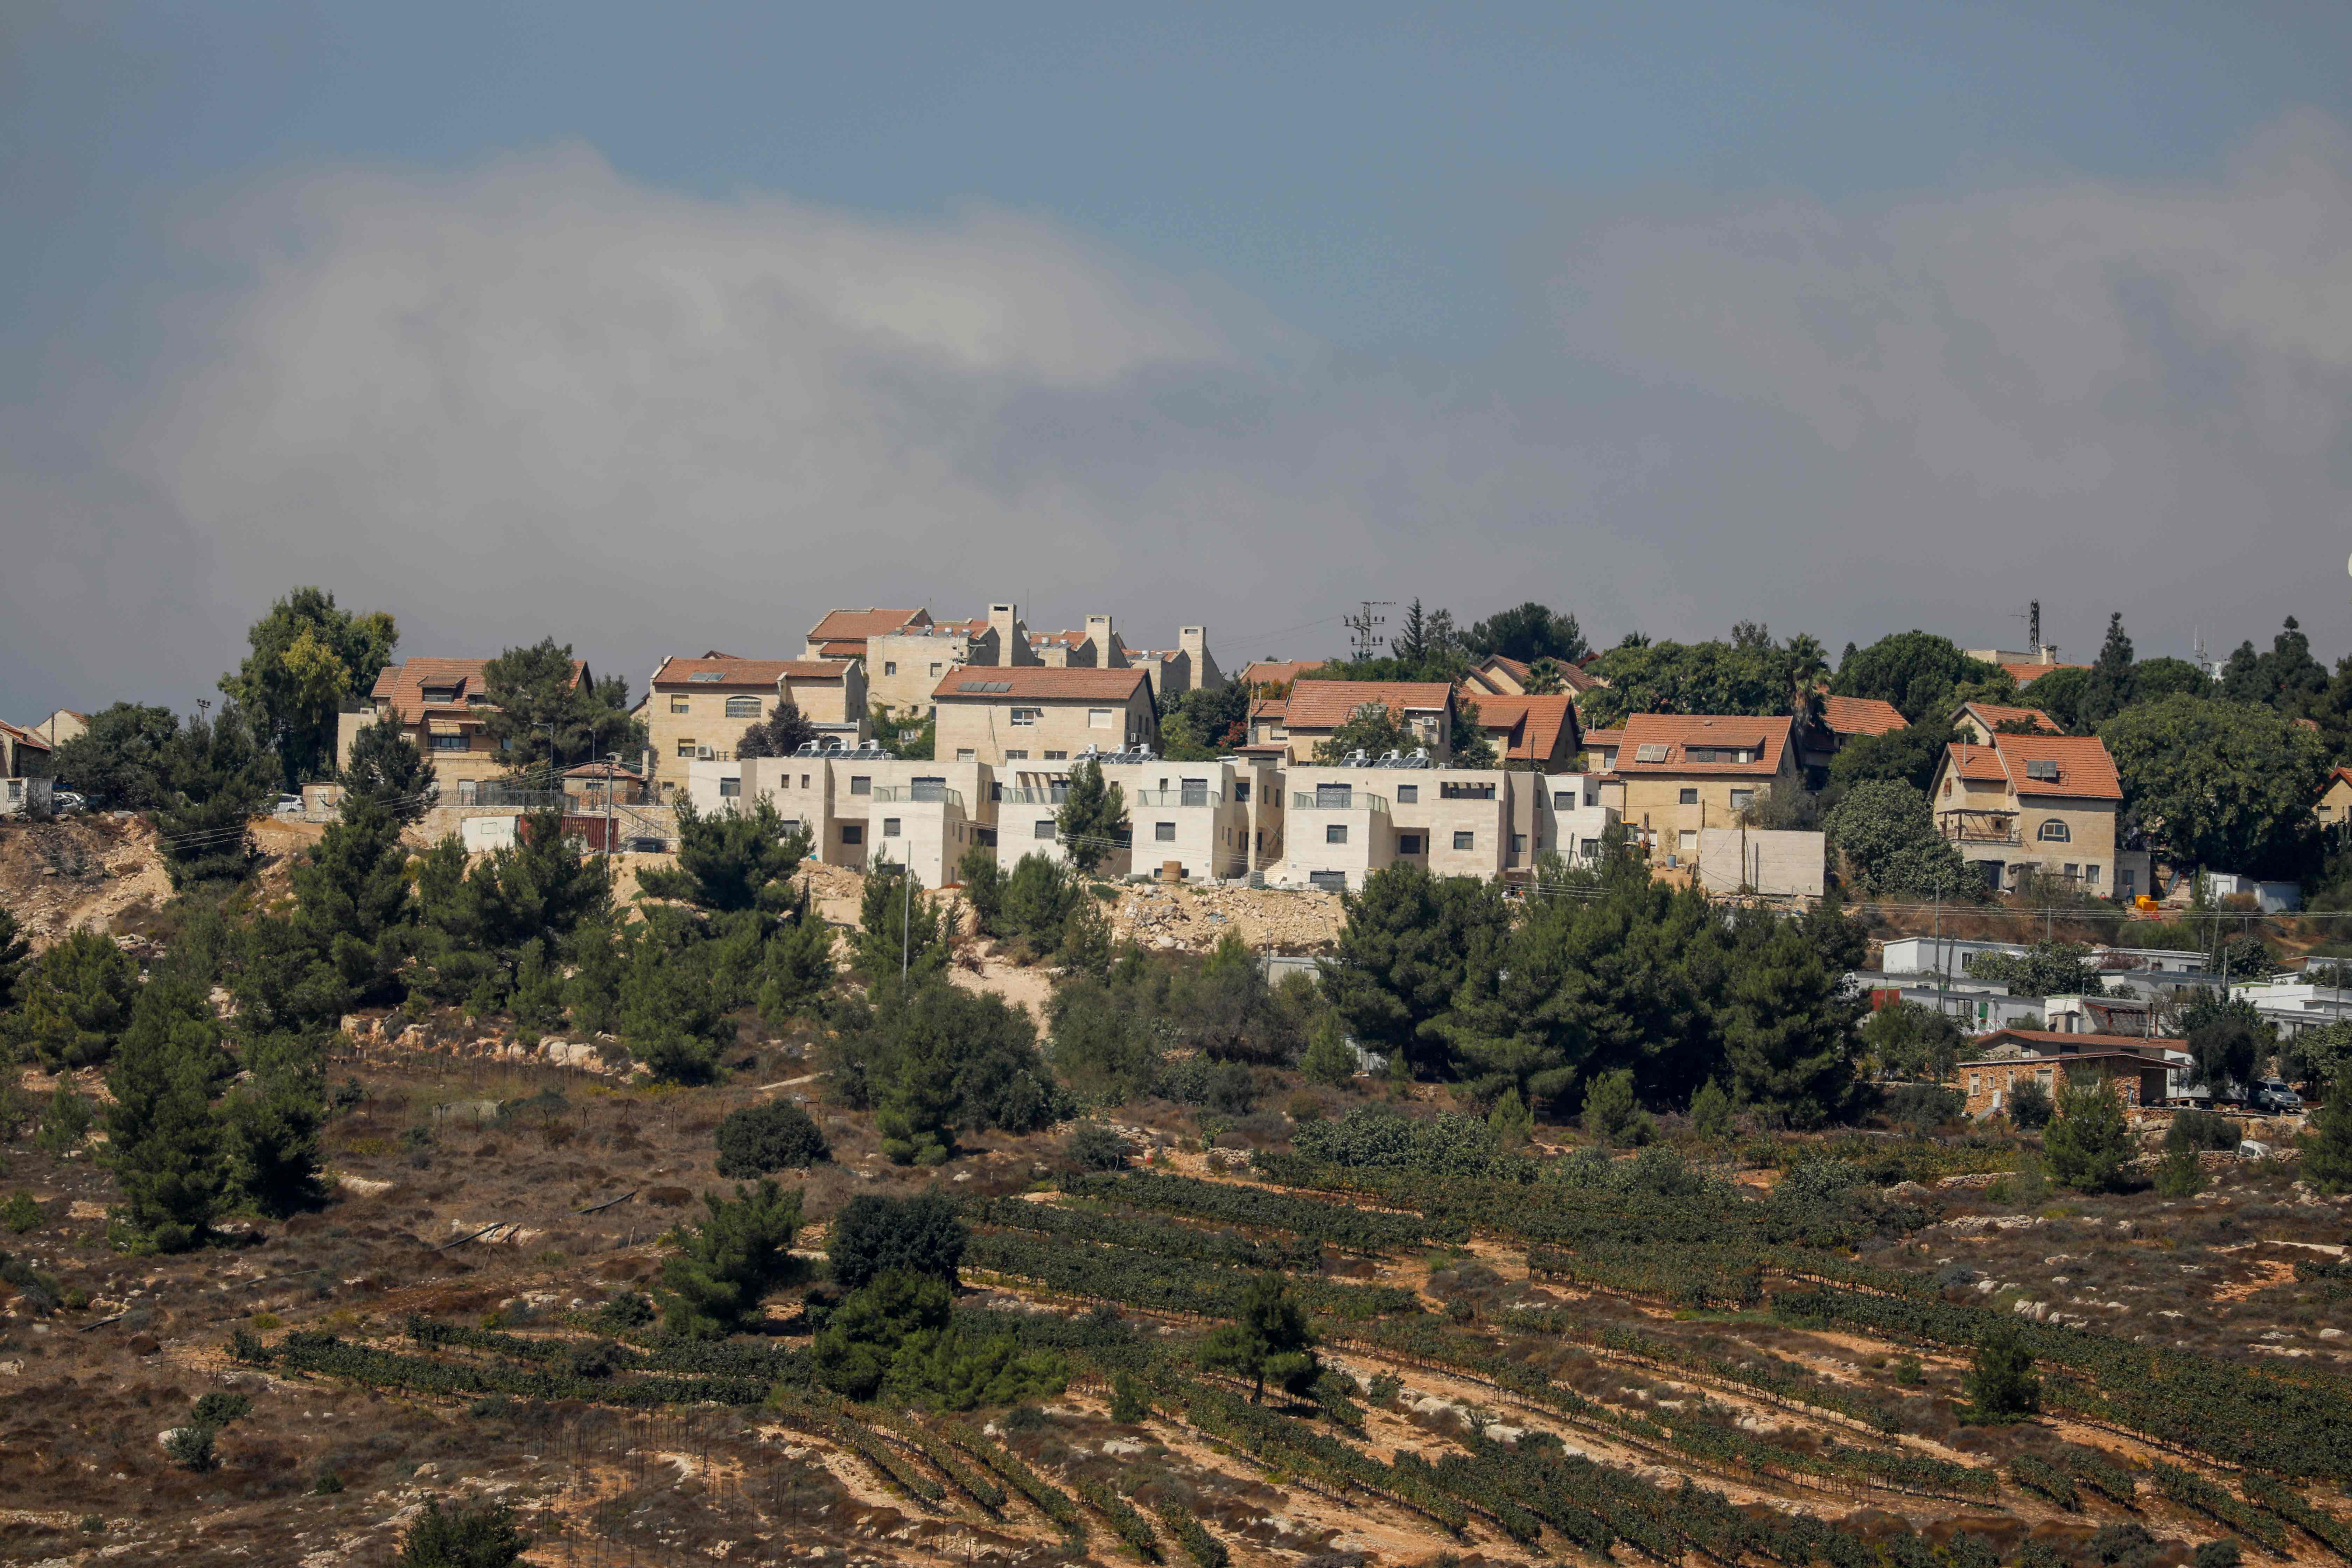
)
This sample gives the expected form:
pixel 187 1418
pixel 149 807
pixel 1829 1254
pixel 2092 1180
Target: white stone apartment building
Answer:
pixel 862 807
pixel 1343 822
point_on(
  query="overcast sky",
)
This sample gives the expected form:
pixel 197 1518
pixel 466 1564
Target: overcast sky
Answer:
pixel 663 329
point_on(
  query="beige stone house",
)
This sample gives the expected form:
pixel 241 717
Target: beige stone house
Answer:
pixel 902 667
pixel 1345 822
pixel 1187 666
pixel 1316 708
pixel 59 727
pixel 843 634
pixel 443 705
pixel 2037 803
pixel 864 806
pixel 1499 677
pixel 2008 1058
pixel 1675 775
pixel 1098 646
pixel 1538 733
pixel 1978 722
pixel 1024 714
pixel 701 707
pixel 2335 799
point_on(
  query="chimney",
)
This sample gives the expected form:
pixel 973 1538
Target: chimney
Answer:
pixel 1194 643
pixel 1104 643
pixel 1012 635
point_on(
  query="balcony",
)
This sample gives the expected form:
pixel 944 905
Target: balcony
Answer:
pixel 1338 800
pixel 1980 828
pixel 905 793
pixel 1053 796
pixel 1161 798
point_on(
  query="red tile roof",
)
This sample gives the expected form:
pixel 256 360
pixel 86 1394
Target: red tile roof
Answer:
pixel 402 685
pixel 23 737
pixel 1861 716
pixel 2086 772
pixel 1530 728
pixel 728 669
pixel 1327 704
pixel 1992 717
pixel 1276 671
pixel 856 625
pixel 1679 733
pixel 1977 764
pixel 1030 681
pixel 2026 674
pixel 2335 775
pixel 1269 707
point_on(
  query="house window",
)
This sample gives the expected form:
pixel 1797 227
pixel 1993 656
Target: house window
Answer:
pixel 1465 840
pixel 1408 795
pixel 2053 832
pixel 1017 756
pixel 731 789
pixel 859 783
pixel 1057 756
pixel 1686 841
pixel 1241 794
pixel 1328 881
pixel 1335 833
pixel 1741 799
pixel 1099 719
pixel 1408 843
pixel 889 666
pixel 1163 832
pixel 1026 715
pixel 805 781
pixel 2126 882
pixel 1563 800
pixel 890 827
pixel 966 755
pixel 678 704
pixel 1518 843
pixel 458 744
pixel 1589 846
pixel 936 669
pixel 742 708
pixel 852 833
pixel 686 746
pixel 1045 829
pixel 1689 797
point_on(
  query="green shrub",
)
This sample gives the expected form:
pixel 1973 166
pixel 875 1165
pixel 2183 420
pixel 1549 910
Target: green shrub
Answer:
pixel 2201 1130
pixel 191 1448
pixel 1710 1111
pixel 483 1537
pixel 729 1263
pixel 2029 1106
pixel 218 1409
pixel 20 1213
pixel 1612 1113
pixel 1094 1147
pixel 774 1136
pixel 2001 1384
pixel 2089 1144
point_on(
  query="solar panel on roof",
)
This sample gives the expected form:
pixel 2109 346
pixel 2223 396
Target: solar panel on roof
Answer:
pixel 985 685
pixel 1650 752
pixel 707 675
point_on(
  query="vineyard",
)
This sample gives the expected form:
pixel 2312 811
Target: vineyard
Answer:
pixel 1655 1383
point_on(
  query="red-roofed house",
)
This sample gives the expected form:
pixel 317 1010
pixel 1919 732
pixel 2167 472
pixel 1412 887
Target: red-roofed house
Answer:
pixel 2335 798
pixel 1499 677
pixel 2024 803
pixel 701 707
pixel 1979 721
pixel 1318 707
pixel 444 705
pixel 2008 1058
pixel 842 634
pixel 1843 720
pixel 1537 734
pixel 1677 775
pixel 24 770
pixel 1032 713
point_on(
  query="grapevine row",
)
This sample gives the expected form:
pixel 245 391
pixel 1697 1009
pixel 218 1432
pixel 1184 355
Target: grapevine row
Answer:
pixel 1333 1225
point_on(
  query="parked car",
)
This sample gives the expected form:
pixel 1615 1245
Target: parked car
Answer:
pixel 65 801
pixel 287 805
pixel 2272 1096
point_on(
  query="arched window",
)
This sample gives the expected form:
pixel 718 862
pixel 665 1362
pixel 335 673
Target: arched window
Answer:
pixel 2054 832
pixel 742 708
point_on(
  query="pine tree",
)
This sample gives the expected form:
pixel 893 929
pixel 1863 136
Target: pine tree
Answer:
pixel 898 929
pixel 665 1017
pixel 1510 1121
pixel 730 861
pixel 272 1123
pixel 387 770
pixel 796 967
pixel 1093 819
pixel 2001 1386
pixel 464 1537
pixel 15 955
pixel 78 1001
pixel 729 1263
pixel 2328 1146
pixel 1328 1059
pixel 2089 1143
pixel 593 992
pixel 1789 1041
pixel 1269 1340
pixel 169 1155
pixel 2109 689
pixel 1710 1111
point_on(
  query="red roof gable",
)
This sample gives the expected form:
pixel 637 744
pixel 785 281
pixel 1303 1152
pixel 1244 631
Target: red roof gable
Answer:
pixel 1010 682
pixel 1677 735
pixel 1531 729
pixel 856 625
pixel 403 685
pixel 1992 717
pixel 1861 716
pixel 1327 704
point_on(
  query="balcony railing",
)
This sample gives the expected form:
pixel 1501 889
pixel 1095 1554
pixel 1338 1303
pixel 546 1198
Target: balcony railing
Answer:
pixel 1167 797
pixel 1031 797
pixel 1961 830
pixel 1322 800
pixel 891 792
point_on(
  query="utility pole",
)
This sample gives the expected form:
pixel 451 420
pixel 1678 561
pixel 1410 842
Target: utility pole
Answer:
pixel 1363 626
pixel 905 918
pixel 612 773
pixel 1943 965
